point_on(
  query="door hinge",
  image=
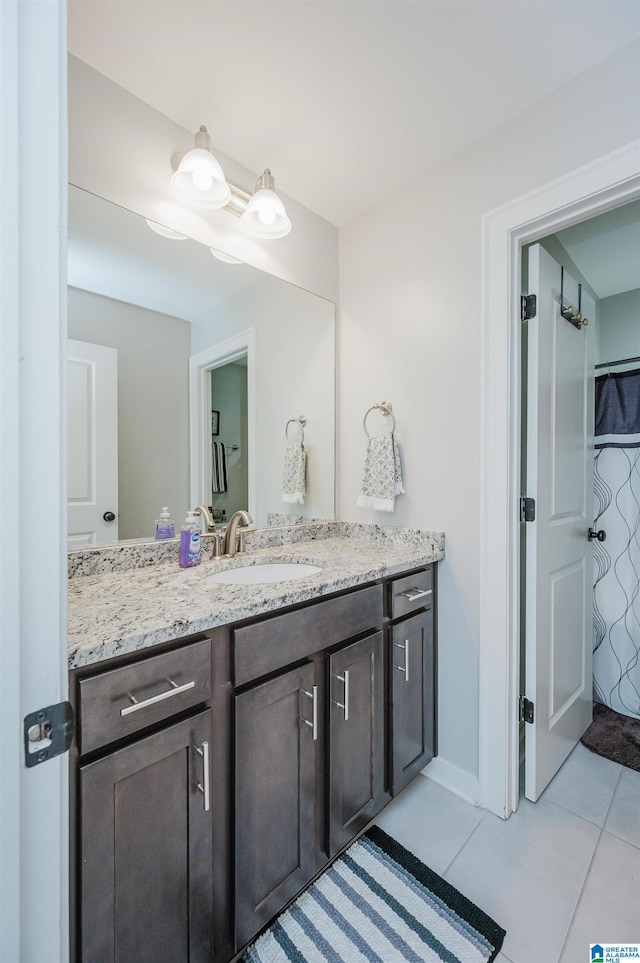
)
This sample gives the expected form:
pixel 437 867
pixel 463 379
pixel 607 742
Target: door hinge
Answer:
pixel 47 733
pixel 525 710
pixel 528 307
pixel 527 509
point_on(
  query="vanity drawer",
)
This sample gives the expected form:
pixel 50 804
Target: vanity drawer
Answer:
pixel 269 645
pixel 120 702
pixel 410 593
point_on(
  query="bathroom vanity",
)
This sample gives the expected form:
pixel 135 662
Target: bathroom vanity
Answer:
pixel 216 771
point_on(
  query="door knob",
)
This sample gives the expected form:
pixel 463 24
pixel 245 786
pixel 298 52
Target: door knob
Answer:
pixel 109 517
pixel 601 535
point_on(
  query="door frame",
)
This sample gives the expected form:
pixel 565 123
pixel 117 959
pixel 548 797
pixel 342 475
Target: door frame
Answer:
pixel 200 367
pixel 606 183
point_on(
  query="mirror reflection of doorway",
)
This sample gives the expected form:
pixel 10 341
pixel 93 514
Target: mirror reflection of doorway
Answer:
pixel 229 440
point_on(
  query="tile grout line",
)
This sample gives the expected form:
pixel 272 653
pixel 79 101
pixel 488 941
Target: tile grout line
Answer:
pixel 588 872
pixel 463 844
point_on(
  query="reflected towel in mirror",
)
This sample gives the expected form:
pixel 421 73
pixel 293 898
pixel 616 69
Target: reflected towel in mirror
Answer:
pixel 382 476
pixel 218 468
pixel 293 481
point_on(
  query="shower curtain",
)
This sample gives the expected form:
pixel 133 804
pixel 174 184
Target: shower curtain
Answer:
pixel 616 594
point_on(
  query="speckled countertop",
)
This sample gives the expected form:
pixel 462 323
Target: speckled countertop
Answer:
pixel 124 611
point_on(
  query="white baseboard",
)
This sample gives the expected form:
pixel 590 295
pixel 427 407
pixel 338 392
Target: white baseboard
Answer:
pixel 458 781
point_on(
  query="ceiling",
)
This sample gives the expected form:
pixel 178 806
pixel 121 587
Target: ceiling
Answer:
pixel 606 249
pixel 345 100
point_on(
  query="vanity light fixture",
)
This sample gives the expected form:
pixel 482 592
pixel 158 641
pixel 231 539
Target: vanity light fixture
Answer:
pixel 165 231
pixel 221 256
pixel 199 177
pixel 265 215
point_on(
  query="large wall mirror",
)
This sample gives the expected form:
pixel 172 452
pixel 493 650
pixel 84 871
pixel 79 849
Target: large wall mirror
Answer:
pixel 183 373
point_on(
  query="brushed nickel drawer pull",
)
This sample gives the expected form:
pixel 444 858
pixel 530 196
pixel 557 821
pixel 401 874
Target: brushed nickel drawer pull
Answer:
pixel 403 668
pixel 206 789
pixel 344 705
pixel 413 594
pixel 176 690
pixel 314 725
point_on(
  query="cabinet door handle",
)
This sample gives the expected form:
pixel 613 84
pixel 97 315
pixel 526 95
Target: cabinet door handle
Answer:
pixel 176 690
pixel 404 668
pixel 314 725
pixel 413 594
pixel 344 705
pixel 206 788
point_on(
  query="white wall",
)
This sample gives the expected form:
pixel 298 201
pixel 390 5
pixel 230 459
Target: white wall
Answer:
pixel 121 149
pixel 153 404
pixel 410 295
pixel 620 326
pixel 294 358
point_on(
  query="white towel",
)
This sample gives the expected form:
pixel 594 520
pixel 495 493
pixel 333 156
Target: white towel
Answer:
pixel 293 481
pixel 382 477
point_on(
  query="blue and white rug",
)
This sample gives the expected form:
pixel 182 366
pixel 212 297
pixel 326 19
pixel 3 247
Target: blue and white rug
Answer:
pixel 379 904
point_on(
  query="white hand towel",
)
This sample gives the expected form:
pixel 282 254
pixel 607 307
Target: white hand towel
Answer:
pixel 382 477
pixel 293 481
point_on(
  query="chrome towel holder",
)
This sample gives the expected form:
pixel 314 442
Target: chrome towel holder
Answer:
pixel 386 409
pixel 300 421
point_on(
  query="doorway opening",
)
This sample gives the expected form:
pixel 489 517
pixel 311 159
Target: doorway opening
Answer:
pixel 603 255
pixel 605 184
pixel 222 420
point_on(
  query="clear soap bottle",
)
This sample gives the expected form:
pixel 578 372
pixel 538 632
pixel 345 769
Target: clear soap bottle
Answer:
pixel 190 545
pixel 165 527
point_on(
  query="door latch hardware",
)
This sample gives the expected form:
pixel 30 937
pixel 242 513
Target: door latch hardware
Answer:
pixel 47 733
pixel 525 710
pixel 528 307
pixel 527 509
pixel 600 536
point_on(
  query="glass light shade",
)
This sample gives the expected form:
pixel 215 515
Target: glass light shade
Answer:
pixel 200 179
pixel 165 231
pixel 265 215
pixel 221 256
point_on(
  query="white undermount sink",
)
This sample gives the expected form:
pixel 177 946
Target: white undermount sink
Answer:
pixel 264 572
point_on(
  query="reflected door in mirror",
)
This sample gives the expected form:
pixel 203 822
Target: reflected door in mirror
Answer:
pixel 92 453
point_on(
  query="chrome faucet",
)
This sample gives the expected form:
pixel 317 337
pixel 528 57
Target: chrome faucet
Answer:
pixel 209 524
pixel 231 531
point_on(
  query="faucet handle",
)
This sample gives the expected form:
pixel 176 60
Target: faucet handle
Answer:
pixel 218 543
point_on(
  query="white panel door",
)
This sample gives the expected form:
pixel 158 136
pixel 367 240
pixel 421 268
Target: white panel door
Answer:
pixel 559 601
pixel 92 432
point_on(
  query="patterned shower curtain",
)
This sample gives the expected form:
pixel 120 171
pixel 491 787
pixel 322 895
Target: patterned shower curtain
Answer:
pixel 616 594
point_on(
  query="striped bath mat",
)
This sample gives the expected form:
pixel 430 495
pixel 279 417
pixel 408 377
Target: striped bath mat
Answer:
pixel 379 903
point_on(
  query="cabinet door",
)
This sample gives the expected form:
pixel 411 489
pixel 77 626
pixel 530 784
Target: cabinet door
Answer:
pixel 275 795
pixel 412 698
pixel 356 738
pixel 145 850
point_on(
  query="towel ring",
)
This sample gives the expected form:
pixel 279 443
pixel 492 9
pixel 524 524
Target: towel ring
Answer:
pixel 300 422
pixel 385 408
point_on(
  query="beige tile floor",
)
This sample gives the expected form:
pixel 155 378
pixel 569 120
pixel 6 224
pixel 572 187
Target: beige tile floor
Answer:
pixel 558 875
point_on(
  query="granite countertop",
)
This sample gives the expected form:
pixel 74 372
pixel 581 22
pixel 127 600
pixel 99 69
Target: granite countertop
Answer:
pixel 119 612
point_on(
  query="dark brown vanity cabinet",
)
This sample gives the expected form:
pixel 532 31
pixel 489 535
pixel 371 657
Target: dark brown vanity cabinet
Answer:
pixel 355 751
pixel 144 830
pixel 214 777
pixel 309 747
pixel 412 668
pixel 275 793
